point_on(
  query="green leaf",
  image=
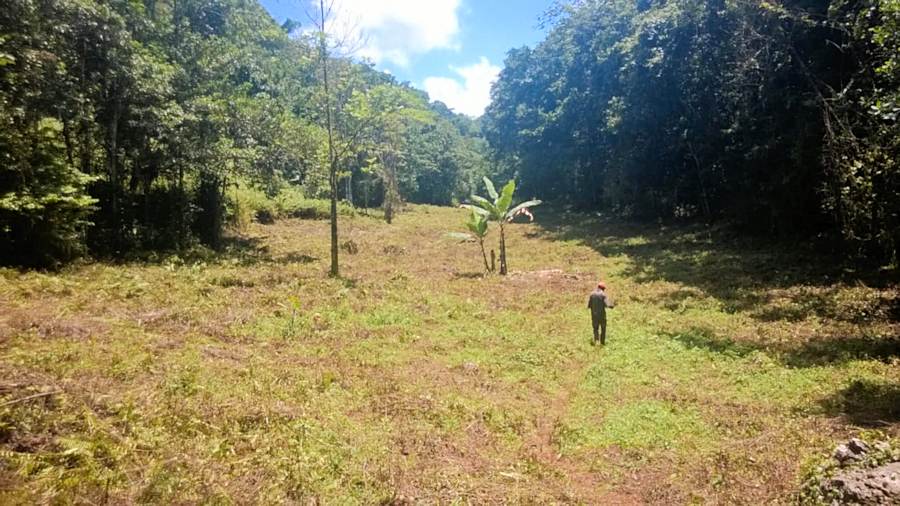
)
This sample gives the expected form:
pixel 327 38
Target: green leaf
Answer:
pixel 487 206
pixel 524 205
pixel 477 224
pixel 506 197
pixel 492 192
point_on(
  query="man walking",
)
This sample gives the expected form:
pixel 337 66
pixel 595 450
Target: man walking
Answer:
pixel 597 303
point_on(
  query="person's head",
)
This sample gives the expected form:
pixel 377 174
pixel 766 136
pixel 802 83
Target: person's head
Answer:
pixel 601 285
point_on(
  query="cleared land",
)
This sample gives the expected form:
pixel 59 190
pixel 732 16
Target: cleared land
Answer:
pixel 250 376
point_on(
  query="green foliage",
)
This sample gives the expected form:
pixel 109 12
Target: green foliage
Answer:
pixel 779 116
pixel 477 224
pixel 167 104
pixel 862 151
pixel 247 204
pixel 383 118
pixel 44 209
pixel 499 210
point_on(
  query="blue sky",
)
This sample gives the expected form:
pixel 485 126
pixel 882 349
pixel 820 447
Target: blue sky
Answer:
pixel 453 49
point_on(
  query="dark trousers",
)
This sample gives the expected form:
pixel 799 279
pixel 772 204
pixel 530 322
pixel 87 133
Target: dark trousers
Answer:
pixel 599 323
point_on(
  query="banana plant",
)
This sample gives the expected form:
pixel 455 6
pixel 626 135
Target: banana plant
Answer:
pixel 477 225
pixel 499 208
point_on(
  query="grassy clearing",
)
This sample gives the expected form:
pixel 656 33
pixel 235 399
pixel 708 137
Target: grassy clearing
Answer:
pixel 251 377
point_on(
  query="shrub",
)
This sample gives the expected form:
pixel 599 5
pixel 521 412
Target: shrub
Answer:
pixel 247 204
pixel 44 208
pixel 291 203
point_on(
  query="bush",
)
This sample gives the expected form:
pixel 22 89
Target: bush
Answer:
pixel 44 208
pixel 291 203
pixel 247 204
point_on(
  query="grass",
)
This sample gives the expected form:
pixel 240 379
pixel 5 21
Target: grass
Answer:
pixel 252 377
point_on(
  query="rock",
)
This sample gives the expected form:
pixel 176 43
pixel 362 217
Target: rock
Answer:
pixel 880 485
pixel 858 446
pixel 852 450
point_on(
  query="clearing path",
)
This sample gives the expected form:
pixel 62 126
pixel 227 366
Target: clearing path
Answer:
pixel 251 377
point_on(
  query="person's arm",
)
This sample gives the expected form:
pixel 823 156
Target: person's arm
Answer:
pixel 589 303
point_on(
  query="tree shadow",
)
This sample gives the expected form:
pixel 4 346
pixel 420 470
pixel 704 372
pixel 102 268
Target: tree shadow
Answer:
pixel 738 271
pixel 705 339
pixel 244 250
pixel 837 350
pixel 234 249
pixel 863 402
pixel 866 403
pixel 813 353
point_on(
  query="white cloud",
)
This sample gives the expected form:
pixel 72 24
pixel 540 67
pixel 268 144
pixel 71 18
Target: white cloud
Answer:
pixel 472 95
pixel 394 30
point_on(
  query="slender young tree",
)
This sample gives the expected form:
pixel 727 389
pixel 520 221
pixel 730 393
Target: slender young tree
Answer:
pixel 332 160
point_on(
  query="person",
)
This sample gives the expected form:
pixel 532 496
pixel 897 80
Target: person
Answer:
pixel 597 303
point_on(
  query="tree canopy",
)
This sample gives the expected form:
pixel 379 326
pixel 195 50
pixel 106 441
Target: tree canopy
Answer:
pixel 125 122
pixel 780 116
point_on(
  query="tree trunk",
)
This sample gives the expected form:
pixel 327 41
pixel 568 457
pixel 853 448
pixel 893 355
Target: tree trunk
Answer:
pixel 366 197
pixel 484 255
pixel 332 163
pixel 350 189
pixel 706 208
pixel 388 203
pixel 85 128
pixel 391 190
pixel 503 267
pixel 112 164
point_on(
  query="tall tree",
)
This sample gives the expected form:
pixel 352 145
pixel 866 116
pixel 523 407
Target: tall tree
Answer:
pixel 324 14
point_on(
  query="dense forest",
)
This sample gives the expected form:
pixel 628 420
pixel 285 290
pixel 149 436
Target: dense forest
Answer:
pixel 130 126
pixel 781 116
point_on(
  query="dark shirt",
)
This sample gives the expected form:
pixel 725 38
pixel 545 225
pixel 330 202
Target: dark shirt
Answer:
pixel 598 302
